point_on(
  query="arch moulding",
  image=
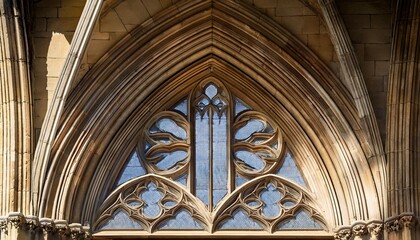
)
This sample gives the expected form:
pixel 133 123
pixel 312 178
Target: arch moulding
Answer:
pixel 234 43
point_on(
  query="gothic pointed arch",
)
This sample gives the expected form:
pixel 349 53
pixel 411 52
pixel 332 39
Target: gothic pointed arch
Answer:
pixel 165 58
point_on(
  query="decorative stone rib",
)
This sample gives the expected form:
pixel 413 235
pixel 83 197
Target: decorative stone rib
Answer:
pixel 32 224
pixel 79 43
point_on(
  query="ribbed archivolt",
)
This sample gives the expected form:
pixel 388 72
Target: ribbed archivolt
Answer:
pixel 403 117
pixel 16 135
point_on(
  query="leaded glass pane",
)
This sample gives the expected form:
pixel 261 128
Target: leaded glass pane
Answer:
pixel 182 107
pixel 240 107
pixel 270 197
pixel 290 170
pixel 132 169
pixel 151 197
pixel 169 159
pixel 302 220
pixel 240 220
pixel 120 220
pixel 250 160
pixel 220 162
pixel 251 127
pixel 182 179
pixel 202 157
pixel 181 220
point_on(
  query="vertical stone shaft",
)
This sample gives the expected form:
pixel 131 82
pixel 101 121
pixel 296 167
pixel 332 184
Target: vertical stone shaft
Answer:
pixel 403 144
pixel 16 132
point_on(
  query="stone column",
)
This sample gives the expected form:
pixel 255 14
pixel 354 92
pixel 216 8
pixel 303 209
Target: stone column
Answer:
pixel 403 120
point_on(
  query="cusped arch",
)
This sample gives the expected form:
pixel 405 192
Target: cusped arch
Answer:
pixel 236 44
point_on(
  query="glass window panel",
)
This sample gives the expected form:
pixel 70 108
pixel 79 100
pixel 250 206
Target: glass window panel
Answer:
pixel 182 107
pixel 240 107
pixel 132 169
pixel 202 157
pixel 151 197
pixel 252 160
pixel 270 197
pixel 290 170
pixel 239 180
pixel 240 220
pixel 170 126
pixel 181 220
pixel 211 91
pixel 170 159
pixel 120 220
pixel 302 220
pixel 251 127
pixel 182 179
pixel 220 167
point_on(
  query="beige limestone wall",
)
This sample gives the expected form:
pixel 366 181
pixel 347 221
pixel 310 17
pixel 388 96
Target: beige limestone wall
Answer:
pixel 369 25
pixel 301 21
pixel 53 26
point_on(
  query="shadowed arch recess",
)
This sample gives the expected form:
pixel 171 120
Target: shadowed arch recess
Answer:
pixel 182 45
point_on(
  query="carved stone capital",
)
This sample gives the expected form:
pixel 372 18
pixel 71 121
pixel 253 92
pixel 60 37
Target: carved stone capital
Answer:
pixel 32 224
pixel 392 226
pixel 17 220
pixel 47 225
pixel 408 221
pixel 62 227
pixel 343 234
pixel 375 229
pixel 404 220
pixel 3 224
pixel 359 229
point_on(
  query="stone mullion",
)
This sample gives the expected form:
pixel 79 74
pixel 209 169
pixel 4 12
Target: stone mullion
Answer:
pixel 402 119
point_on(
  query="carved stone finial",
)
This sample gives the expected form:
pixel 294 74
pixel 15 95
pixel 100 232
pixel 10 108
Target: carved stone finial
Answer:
pixel 343 234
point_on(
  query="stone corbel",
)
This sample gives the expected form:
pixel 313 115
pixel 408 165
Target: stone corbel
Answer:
pixel 360 230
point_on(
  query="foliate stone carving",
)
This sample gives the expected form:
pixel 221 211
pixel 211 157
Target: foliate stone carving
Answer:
pixel 17 220
pixel 392 226
pixel 375 229
pixel 47 225
pixel 359 229
pixel 3 224
pixel 34 225
pixel 406 220
pixel 62 227
pixel 343 234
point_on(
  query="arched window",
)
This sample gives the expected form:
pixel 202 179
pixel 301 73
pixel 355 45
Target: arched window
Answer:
pixel 210 163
